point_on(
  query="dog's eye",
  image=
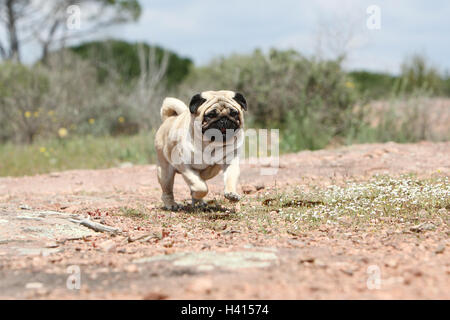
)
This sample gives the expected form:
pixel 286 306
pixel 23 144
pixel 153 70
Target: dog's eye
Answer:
pixel 233 113
pixel 211 114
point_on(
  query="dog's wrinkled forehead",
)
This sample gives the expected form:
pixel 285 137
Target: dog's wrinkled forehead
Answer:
pixel 224 94
pixel 207 99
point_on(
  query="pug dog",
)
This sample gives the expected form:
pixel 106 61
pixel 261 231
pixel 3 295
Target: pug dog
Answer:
pixel 198 141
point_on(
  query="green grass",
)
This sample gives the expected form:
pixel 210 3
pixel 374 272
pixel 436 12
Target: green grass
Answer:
pixel 133 213
pixel 399 204
pixel 379 204
pixel 75 153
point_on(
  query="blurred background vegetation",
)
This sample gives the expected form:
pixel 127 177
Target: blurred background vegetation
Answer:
pixel 96 104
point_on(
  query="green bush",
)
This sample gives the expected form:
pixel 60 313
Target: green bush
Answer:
pixel 374 85
pixel 23 99
pixel 418 74
pixel 63 98
pixel 75 152
pixel 123 58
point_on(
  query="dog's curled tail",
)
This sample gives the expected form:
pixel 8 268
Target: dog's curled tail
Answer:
pixel 172 107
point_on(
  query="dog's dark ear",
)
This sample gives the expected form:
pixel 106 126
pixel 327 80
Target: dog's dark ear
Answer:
pixel 196 102
pixel 239 98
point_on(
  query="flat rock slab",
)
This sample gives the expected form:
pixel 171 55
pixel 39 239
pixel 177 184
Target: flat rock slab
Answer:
pixel 28 232
pixel 205 261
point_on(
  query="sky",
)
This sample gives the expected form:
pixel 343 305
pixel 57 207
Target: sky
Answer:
pixel 203 30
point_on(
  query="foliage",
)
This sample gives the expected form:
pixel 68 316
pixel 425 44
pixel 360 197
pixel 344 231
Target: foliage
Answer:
pixel 123 57
pixel 65 96
pixel 374 85
pixel 79 152
pixel 18 110
pixel 417 73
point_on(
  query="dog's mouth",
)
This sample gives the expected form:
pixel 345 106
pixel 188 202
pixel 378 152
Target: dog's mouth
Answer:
pixel 224 127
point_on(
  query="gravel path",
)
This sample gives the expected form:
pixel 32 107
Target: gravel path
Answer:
pixel 157 254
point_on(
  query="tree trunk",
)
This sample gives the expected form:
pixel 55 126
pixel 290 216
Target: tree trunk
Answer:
pixel 14 53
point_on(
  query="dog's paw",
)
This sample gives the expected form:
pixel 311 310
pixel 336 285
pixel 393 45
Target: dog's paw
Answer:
pixel 172 207
pixel 233 197
pixel 198 203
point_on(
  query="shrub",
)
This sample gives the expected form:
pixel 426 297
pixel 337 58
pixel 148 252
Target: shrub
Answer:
pixel 418 74
pixel 23 101
pixel 64 98
pixel 374 85
pixel 123 58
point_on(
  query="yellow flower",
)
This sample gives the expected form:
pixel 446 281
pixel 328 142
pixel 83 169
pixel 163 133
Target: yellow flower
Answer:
pixel 350 84
pixel 36 114
pixel 42 149
pixel 91 121
pixel 62 132
pixel 27 114
pixel 51 112
pixel 121 119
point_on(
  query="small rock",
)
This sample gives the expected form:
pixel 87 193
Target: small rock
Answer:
pixel 167 243
pixel 155 296
pixel 131 268
pixel 423 213
pixel 34 285
pixel 320 263
pixel 108 246
pixel 227 232
pixel 296 243
pixel 54 174
pixel 126 165
pixel 347 272
pixel 391 263
pixel 259 186
pixel 348 234
pixel 220 227
pixel 51 245
pixel 25 207
pixel 205 268
pixel 306 259
pixel 364 259
pixel 247 189
pixel 416 272
pixel 202 285
pixel 347 221
pixel 423 227
pixel 442 211
pixel 440 249
pixel 205 246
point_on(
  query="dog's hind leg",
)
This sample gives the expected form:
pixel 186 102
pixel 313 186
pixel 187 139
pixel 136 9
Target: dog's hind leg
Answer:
pixel 166 176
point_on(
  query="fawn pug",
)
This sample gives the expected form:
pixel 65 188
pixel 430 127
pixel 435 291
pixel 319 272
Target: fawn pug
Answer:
pixel 198 141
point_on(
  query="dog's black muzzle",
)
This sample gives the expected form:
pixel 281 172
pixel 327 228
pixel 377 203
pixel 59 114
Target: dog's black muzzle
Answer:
pixel 224 126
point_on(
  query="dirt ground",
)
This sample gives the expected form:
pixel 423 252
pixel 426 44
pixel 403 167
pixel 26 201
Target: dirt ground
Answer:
pixel 156 254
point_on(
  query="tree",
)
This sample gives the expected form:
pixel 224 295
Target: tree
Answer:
pixel 418 74
pixel 123 57
pixel 50 22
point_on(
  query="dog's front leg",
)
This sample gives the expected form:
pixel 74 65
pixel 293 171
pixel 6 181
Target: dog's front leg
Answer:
pixel 231 173
pixel 196 184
